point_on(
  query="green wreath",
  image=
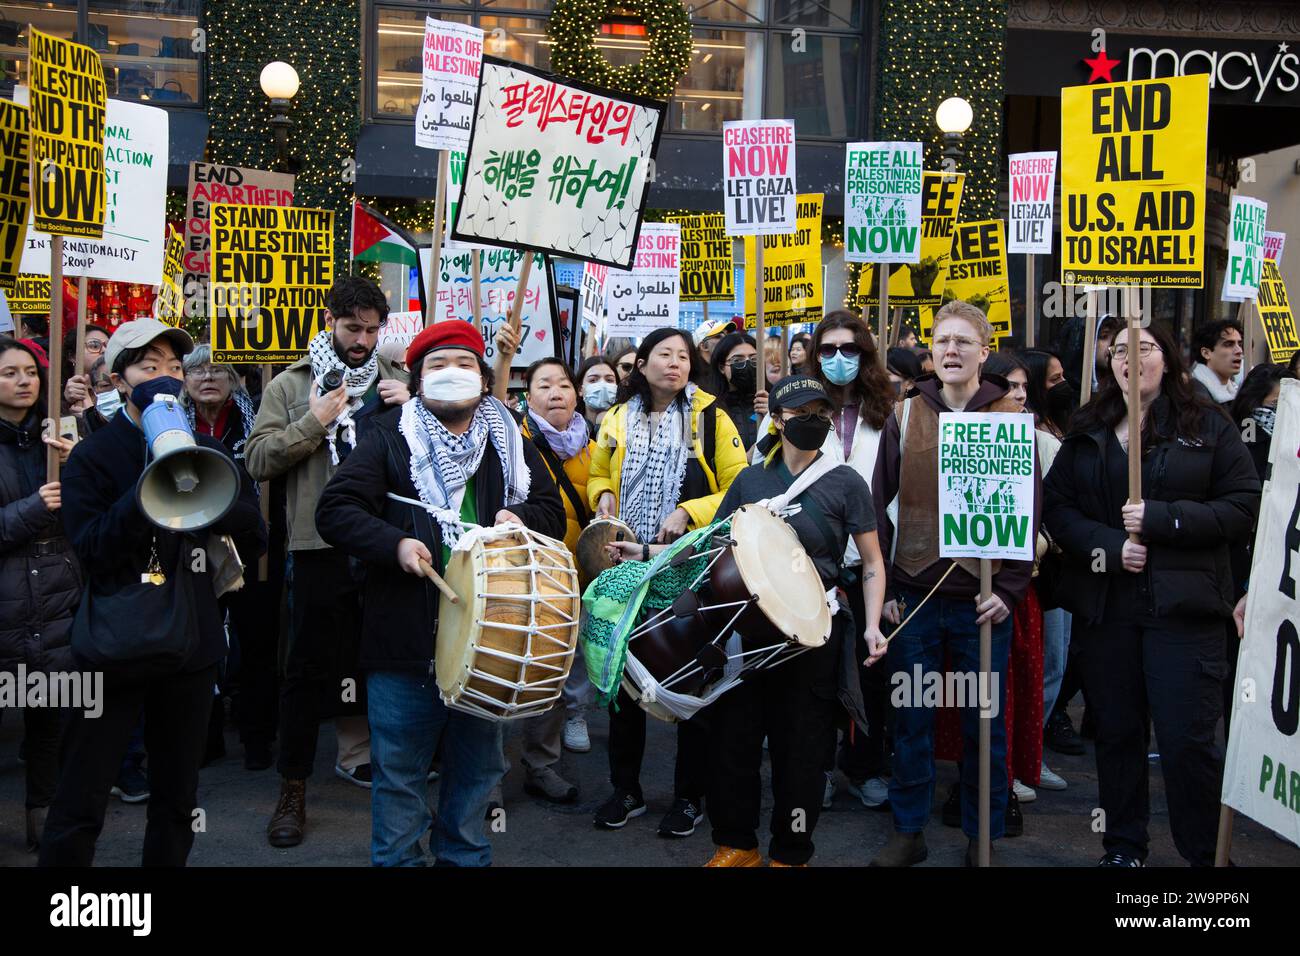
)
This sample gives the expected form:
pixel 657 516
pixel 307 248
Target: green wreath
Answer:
pixel 574 25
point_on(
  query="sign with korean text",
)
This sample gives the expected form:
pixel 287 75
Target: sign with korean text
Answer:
pixel 758 177
pixel 882 202
pixel 1273 244
pixel 706 258
pixel 452 57
pixel 272 267
pixel 922 283
pixel 15 197
pixel 557 166
pixel 792 270
pixel 1275 314
pixel 1245 248
pixel 646 297
pixel 1133 182
pixel 31 295
pixel 169 305
pixel 1031 183
pixel 986 485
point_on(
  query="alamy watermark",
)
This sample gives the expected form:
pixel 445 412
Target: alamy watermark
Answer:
pixel 76 690
pixel 922 688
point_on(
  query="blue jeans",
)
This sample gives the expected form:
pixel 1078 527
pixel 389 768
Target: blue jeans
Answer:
pixel 1056 647
pixel 407 718
pixel 941 621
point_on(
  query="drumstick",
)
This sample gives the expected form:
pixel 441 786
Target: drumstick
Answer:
pixel 427 570
pixel 903 623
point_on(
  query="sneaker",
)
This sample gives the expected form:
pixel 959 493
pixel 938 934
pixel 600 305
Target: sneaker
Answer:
pixel 132 785
pixel 1047 780
pixel 903 849
pixel 828 794
pixel 1023 793
pixel 1014 824
pixel 360 774
pixel 549 785
pixel 680 821
pixel 874 793
pixel 576 737
pixel 618 809
pixel 1120 859
pixel 952 807
pixel 730 856
pixel 1059 736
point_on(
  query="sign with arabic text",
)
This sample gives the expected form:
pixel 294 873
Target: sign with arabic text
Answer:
pixel 452 56
pixel 646 298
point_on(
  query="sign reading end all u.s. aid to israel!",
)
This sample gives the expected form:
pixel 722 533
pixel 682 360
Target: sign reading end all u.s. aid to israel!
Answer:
pixel 986 485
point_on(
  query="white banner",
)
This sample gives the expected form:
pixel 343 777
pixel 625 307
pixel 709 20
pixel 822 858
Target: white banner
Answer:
pixel 882 202
pixel 594 277
pixel 1245 249
pixel 758 158
pixel 557 167
pixel 1261 773
pixel 135 214
pixel 986 485
pixel 649 296
pixel 452 56
pixel 1031 187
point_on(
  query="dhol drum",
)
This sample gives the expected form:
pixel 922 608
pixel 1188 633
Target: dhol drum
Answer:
pixel 590 553
pixel 505 650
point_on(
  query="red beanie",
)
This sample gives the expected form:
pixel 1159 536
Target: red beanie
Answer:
pixel 448 334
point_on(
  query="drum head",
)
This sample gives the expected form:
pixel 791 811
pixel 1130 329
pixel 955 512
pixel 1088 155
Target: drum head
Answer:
pixel 591 556
pixel 774 567
pixel 457 623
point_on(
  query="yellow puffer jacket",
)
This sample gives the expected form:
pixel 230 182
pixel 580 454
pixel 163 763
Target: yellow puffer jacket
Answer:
pixel 728 457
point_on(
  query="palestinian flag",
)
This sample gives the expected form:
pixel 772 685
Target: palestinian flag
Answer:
pixel 377 239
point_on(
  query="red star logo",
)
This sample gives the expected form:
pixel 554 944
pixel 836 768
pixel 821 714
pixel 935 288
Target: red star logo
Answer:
pixel 1102 67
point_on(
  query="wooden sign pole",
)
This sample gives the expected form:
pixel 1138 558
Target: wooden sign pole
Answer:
pixel 882 323
pixel 439 210
pixel 1133 319
pixel 1246 319
pixel 1031 309
pixel 760 331
pixel 895 328
pixel 785 350
pixel 263 566
pixel 986 719
pixel 501 367
pixel 1089 347
pixel 79 364
pixel 476 289
pixel 1223 845
pixel 54 407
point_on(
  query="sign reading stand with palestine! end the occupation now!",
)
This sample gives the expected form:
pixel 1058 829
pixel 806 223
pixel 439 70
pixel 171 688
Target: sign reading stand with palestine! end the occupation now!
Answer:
pixel 759 196
pixel 986 485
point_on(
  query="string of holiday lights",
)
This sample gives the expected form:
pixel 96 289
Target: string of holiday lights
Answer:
pixel 575 24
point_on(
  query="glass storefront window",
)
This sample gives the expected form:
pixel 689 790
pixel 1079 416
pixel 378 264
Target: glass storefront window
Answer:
pixel 539 6
pixel 737 11
pixel 713 90
pixel 817 87
pixel 57 19
pixel 397 60
pixel 148 49
pixel 519 39
pixel 835 14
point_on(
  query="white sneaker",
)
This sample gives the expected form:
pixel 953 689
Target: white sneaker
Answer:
pixel 873 793
pixel 828 795
pixel 1047 780
pixel 1024 794
pixel 575 735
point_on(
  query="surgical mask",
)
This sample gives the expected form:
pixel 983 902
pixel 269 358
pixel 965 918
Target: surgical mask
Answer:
pixel 599 396
pixel 142 395
pixel 840 370
pixel 806 434
pixel 108 402
pixel 451 384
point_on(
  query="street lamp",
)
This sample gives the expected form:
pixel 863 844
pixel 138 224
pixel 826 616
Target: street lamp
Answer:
pixel 953 117
pixel 280 84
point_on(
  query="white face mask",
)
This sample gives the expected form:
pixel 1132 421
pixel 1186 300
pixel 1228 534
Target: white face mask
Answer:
pixel 108 402
pixel 451 384
pixel 599 395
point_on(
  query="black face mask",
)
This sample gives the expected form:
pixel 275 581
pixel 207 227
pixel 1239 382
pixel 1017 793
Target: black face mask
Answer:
pixel 806 434
pixel 1061 404
pixel 744 378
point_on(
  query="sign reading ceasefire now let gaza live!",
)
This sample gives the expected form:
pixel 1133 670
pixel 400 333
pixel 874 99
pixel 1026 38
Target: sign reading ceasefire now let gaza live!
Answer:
pixel 1133 182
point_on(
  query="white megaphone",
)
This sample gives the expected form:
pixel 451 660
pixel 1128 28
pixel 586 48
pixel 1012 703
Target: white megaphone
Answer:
pixel 186 486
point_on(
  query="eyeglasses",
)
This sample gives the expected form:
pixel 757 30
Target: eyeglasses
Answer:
pixel 95 345
pixel 809 417
pixel 200 372
pixel 960 342
pixel 848 351
pixel 1144 350
pixel 743 363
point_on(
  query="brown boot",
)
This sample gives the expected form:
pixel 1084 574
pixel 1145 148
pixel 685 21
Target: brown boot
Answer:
pixel 290 816
pixel 903 849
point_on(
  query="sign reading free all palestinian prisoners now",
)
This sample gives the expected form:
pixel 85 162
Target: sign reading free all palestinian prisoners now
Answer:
pixel 882 202
pixel 986 485
pixel 557 166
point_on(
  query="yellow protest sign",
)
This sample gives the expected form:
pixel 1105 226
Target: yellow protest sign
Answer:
pixel 169 306
pixel 31 295
pixel 15 198
pixel 1133 182
pixel 792 270
pixel 977 273
pixel 707 272
pixel 68 104
pixel 1275 314
pixel 922 283
pixel 271 267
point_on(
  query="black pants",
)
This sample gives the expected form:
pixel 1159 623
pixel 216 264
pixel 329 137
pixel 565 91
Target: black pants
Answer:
pixel 176 711
pixel 794 705
pixel 42 730
pixel 865 755
pixel 627 748
pixel 1170 673
pixel 320 653
pixel 255 625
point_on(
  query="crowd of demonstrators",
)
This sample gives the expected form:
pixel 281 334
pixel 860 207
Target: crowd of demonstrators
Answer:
pixel 733 380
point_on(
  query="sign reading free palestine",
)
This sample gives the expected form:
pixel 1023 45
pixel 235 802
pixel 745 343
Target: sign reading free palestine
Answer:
pixel 986 485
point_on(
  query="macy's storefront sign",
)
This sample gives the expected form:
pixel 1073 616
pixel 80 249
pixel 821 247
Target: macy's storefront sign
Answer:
pixel 1254 74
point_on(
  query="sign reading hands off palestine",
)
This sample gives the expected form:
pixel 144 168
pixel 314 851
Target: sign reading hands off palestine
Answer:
pixel 986 485
pixel 758 177
pixel 271 269
pixel 557 166
pixel 1133 182
pixel 1261 772
pixel 646 297
pixel 452 57
pixel 882 202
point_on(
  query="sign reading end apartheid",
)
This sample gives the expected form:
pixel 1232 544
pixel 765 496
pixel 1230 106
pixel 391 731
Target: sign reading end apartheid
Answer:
pixel 1275 314
pixel 272 267
pixel 986 485
pixel 792 270
pixel 707 270
pixel 1261 772
pixel 758 177
pixel 1133 182
pixel 922 282
pixel 1245 248
pixel 15 199
pixel 557 166
pixel 69 101
pixel 882 202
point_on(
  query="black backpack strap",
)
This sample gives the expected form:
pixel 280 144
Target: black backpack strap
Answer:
pixel 709 438
pixel 557 470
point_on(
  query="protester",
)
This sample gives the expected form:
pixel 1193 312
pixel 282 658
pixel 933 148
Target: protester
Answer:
pixel 1294 365
pixel 599 384
pixel 799 353
pixel 707 337
pixel 733 379
pixel 927 360
pixel 457 452
pixel 1216 360
pixel 907 467
pixel 907 338
pixel 40 576
pixel 303 433
pixel 121 549
pixel 623 362
pixel 1256 403
pixel 1151 614
pixel 1048 395
pixel 665 456
pixel 771 362
pixel 904 368
pixel 78 390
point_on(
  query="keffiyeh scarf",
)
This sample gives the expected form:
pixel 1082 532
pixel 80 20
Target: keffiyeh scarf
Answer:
pixel 443 463
pixel 1266 415
pixel 356 381
pixel 654 463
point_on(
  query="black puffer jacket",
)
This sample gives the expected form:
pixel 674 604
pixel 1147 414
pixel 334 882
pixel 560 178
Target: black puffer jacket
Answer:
pixel 40 577
pixel 1201 498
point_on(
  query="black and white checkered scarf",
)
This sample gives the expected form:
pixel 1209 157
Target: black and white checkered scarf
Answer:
pixel 654 463
pixel 356 381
